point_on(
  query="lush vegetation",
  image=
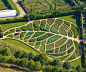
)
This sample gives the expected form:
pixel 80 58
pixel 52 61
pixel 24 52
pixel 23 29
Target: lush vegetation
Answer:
pixel 13 5
pixel 2 6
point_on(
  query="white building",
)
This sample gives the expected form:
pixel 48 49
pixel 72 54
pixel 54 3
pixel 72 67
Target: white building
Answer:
pixel 8 13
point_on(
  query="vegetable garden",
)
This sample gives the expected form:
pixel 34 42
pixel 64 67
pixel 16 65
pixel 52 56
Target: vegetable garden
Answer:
pixel 51 36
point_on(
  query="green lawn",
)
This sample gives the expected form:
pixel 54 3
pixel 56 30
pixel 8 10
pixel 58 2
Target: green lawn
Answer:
pixel 76 63
pixel 19 44
pixel 13 5
pixel 10 25
pixel 70 18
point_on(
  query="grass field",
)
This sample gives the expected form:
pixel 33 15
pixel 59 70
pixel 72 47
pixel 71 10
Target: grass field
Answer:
pixel 2 6
pixel 20 45
pixel 76 63
pixel 13 5
pixel 11 25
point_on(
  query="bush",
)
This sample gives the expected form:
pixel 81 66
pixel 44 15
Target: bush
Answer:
pixel 6 51
pixel 24 28
pixel 43 29
pixel 12 60
pixel 1 57
pixel 24 62
pixel 37 65
pixel 5 59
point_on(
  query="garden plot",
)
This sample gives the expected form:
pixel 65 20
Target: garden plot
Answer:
pixel 52 36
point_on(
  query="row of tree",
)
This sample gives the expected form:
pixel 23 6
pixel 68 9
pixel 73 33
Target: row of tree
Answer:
pixel 33 62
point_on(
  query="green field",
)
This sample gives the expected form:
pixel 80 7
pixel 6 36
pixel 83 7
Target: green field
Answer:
pixel 11 25
pixel 13 5
pixel 2 6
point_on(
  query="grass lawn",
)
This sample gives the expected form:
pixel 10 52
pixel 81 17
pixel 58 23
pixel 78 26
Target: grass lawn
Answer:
pixel 19 44
pixel 70 18
pixel 76 63
pixel 10 25
pixel 13 5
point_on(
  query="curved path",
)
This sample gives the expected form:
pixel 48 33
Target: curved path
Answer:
pixel 74 39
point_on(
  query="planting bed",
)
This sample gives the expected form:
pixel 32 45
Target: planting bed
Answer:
pixel 51 36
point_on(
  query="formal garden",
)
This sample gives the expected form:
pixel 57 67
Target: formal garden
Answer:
pixel 45 6
pixel 51 36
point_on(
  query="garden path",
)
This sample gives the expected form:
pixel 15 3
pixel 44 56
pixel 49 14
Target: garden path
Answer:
pixel 22 13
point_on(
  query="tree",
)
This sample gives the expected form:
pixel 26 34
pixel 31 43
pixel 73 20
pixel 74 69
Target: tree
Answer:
pixel 78 67
pixel 5 59
pixel 18 54
pixel 6 51
pixel 63 70
pixel 31 64
pixel 66 65
pixel 37 65
pixel 12 60
pixel 18 61
pixel 42 58
pixel 24 55
pixel 1 33
pixel 1 57
pixel 55 69
pixel 43 68
pixel 49 68
pixel 24 62
pixel 56 62
pixel 30 56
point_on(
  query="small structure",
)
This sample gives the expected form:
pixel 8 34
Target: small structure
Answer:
pixel 7 13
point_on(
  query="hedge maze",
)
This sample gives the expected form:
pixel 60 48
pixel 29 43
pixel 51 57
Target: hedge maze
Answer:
pixel 51 36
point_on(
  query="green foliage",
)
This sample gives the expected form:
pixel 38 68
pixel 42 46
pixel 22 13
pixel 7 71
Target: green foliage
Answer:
pixel 63 48
pixel 53 30
pixel 75 30
pixel 24 28
pixel 32 40
pixel 29 33
pixel 49 68
pixel 44 36
pixel 56 62
pixel 54 38
pixel 43 29
pixel 50 21
pixel 6 51
pixel 18 53
pixel 1 57
pixel 58 21
pixel 31 64
pixel 42 58
pixel 50 51
pixel 67 23
pixel 37 65
pixel 12 60
pixel 29 27
pixel 18 61
pixel 70 50
pixel 66 65
pixel 43 23
pixel 30 56
pixel 55 69
pixel 38 34
pixel 47 26
pixel 24 62
pixel 22 34
pixel 5 59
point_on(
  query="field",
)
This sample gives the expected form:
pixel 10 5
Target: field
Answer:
pixel 47 36
pixel 44 6
pixel 2 6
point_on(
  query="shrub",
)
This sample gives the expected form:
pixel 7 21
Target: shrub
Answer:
pixel 53 30
pixel 5 59
pixel 24 28
pixel 12 60
pixel 29 27
pixel 32 40
pixel 43 29
pixel 37 65
pixel 22 34
pixel 70 50
pixel 6 51
pixel 44 36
